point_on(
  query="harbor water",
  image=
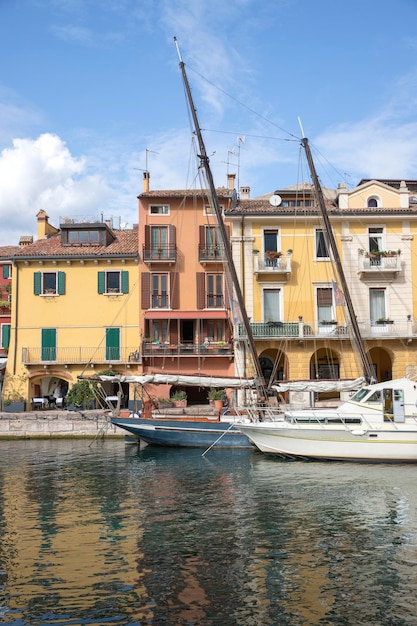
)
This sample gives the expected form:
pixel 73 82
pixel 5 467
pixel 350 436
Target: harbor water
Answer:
pixel 103 533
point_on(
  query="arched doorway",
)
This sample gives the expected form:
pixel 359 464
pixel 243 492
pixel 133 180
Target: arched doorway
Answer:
pixel 52 389
pixel 381 363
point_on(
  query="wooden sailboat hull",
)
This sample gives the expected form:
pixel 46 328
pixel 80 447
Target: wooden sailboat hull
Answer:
pixel 184 433
pixel 389 444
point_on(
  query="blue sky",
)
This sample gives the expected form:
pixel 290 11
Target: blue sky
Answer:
pixel 91 92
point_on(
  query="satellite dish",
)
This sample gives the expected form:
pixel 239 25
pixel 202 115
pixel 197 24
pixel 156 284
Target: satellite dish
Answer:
pixel 275 200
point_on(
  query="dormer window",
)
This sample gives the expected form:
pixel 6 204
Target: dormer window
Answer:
pixel 83 237
pixel 373 202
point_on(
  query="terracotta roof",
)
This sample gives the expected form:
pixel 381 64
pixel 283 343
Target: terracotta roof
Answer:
pixel 263 207
pixel 125 244
pixel 222 192
pixel 7 252
pixel 411 184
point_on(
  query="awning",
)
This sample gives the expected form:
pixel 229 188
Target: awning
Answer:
pixel 186 315
pixel 3 363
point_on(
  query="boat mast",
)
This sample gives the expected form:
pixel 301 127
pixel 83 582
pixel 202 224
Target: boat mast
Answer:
pixel 367 367
pixel 260 384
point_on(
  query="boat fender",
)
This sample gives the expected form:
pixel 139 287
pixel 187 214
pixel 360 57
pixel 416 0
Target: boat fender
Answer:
pixel 358 432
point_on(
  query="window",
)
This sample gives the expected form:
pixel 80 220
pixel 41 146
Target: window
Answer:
pixel 48 341
pixel 48 283
pixel 114 282
pixel 214 290
pixel 271 299
pixel 159 291
pixel 375 235
pixel 7 271
pixel 112 344
pixel 159 209
pixel 159 241
pixel 271 241
pixel 159 331
pixel 90 237
pixel 5 335
pixel 325 304
pixel 212 241
pixel 373 202
pixel 215 330
pixel 209 210
pixel 322 251
pixel 377 304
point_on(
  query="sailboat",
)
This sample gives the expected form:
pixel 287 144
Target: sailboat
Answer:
pixel 378 423
pixel 202 428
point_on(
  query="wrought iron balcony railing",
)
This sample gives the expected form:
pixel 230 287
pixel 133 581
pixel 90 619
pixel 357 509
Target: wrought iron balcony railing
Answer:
pixel 80 355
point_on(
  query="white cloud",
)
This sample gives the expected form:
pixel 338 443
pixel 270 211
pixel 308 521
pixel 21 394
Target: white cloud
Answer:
pixel 42 174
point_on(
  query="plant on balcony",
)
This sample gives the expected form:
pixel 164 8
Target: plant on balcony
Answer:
pixel 255 251
pixel 164 403
pixel 215 394
pixel 4 305
pixel 384 320
pixel 273 254
pixel 328 322
pixel 179 399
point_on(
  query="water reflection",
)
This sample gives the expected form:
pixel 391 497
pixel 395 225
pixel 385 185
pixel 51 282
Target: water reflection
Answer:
pixel 109 534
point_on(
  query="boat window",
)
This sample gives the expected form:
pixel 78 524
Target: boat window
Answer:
pixel 359 395
pixel 375 397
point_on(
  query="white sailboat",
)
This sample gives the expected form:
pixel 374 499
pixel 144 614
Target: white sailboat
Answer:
pixel 379 423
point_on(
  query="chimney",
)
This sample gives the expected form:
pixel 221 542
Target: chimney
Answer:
pixel 146 177
pixel 44 227
pixel 404 195
pixel 244 193
pixel 231 181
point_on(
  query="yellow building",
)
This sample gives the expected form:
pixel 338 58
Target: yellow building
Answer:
pixel 75 297
pixel 293 293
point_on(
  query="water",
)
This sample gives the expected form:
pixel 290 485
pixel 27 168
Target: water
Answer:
pixel 106 534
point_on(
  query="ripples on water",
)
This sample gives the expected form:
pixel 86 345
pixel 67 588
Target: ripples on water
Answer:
pixel 106 534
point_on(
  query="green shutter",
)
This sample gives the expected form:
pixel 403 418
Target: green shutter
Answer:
pixel 48 344
pixel 125 282
pixel 61 283
pixel 37 283
pixel 6 271
pixel 101 282
pixel 112 344
pixel 5 335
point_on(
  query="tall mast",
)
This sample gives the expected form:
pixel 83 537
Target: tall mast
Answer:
pixel 367 367
pixel 223 233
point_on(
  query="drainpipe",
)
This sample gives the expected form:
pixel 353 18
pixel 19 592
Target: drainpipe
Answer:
pixel 15 282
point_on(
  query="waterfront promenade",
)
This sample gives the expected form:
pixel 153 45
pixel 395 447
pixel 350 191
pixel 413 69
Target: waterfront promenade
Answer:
pixel 46 424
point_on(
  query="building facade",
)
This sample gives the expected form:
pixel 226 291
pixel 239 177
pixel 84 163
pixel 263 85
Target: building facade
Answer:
pixel 74 309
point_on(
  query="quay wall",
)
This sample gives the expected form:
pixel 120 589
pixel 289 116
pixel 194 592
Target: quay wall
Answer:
pixel 46 424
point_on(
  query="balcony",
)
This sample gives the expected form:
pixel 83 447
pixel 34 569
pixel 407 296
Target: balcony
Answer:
pixel 211 254
pixel 80 355
pixel 387 329
pixel 279 266
pixel 159 254
pixel 210 349
pixel 384 265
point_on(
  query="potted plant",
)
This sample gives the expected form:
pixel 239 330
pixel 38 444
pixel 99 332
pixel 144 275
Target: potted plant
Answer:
pixel 273 254
pixel 179 399
pixel 164 403
pixel 82 395
pixel 13 393
pixel 216 396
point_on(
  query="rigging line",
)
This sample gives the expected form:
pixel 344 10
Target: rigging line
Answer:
pixel 229 132
pixel 245 106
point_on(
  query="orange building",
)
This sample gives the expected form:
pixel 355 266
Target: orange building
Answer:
pixel 184 298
